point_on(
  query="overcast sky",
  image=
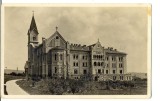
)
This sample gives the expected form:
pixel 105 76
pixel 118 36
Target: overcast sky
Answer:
pixel 123 28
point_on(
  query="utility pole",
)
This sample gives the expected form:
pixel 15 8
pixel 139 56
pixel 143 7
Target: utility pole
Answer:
pixel 17 70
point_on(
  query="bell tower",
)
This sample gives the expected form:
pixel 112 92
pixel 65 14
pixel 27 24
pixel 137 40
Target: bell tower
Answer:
pixel 33 32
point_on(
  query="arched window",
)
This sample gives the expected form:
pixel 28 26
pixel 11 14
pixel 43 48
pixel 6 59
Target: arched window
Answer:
pixel 55 57
pixel 55 69
pixel 95 64
pixel 77 64
pixel 74 64
pixel 99 64
pixel 34 38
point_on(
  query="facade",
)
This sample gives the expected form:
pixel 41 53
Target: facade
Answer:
pixel 56 57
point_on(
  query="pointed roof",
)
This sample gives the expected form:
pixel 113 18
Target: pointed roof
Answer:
pixel 33 25
pixel 56 32
pixel 94 43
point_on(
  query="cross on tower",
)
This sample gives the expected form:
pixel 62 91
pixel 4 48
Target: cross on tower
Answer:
pixel 33 12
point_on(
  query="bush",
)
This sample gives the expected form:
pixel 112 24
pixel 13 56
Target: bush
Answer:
pixel 57 86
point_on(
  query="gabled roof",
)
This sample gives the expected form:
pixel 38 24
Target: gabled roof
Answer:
pixel 92 45
pixel 58 35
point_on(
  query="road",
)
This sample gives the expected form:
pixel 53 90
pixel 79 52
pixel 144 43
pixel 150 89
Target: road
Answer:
pixel 14 89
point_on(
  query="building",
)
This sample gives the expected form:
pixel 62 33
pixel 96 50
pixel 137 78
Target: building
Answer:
pixel 138 75
pixel 56 57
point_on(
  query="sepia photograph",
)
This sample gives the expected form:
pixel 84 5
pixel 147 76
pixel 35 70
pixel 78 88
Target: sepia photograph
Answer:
pixel 77 51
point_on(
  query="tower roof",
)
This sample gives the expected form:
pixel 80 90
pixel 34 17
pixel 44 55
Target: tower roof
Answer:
pixel 33 25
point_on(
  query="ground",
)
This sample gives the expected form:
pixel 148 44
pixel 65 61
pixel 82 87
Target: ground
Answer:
pixel 8 78
pixel 90 88
pixel 13 89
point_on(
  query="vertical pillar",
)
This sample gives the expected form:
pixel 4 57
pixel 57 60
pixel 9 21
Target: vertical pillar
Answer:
pixel 117 65
pixel 46 64
pixel 124 64
pixel 110 64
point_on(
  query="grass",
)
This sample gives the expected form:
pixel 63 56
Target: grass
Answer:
pixel 41 88
pixel 11 77
pixel 36 90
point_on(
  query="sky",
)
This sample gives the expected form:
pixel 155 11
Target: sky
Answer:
pixel 123 28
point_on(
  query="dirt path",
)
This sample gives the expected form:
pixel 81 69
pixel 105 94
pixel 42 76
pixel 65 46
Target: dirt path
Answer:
pixel 14 89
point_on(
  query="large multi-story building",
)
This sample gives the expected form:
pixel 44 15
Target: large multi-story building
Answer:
pixel 56 57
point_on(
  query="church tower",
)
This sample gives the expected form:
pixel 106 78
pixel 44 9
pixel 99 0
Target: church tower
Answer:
pixel 32 42
pixel 33 32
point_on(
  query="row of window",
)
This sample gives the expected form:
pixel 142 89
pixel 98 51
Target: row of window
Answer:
pixel 56 57
pixel 114 58
pixel 99 71
pixel 98 63
pixel 98 57
pixel 84 64
pixel 75 56
pixel 75 63
pixel 107 58
pixel 120 78
pixel 76 71
pixel 113 64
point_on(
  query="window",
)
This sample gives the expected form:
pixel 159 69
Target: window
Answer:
pixel 114 77
pixel 106 71
pixel 34 38
pixel 99 71
pixel 55 56
pixel 57 37
pixel 121 59
pixel 120 65
pixel 77 57
pixel 99 63
pixel 114 71
pixel 75 71
pixel 121 77
pixel 120 71
pixel 113 58
pixel 74 56
pixel 95 64
pixel 77 64
pixel 107 58
pixel 55 69
pixel 84 71
pixel 83 57
pixel 83 64
pixel 61 57
pixel 74 64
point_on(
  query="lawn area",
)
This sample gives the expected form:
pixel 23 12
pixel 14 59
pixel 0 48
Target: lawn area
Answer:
pixel 11 77
pixel 36 90
pixel 48 87
pixel 132 91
